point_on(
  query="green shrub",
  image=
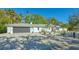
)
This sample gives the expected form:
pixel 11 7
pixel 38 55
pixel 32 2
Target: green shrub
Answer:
pixel 3 29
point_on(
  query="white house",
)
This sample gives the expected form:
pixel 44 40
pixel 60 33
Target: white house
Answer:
pixel 58 28
pixel 30 28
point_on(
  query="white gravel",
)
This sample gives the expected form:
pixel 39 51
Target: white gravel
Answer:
pixel 38 42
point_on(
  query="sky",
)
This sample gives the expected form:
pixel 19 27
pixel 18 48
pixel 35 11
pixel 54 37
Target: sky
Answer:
pixel 61 14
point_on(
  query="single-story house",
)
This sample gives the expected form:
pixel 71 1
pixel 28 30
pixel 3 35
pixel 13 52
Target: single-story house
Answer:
pixel 58 28
pixel 27 28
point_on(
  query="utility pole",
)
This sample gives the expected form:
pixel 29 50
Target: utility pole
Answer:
pixel 30 20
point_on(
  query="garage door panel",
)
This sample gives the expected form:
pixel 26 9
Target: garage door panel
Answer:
pixel 21 29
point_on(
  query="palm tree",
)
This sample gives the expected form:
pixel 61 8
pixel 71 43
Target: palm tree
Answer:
pixel 11 13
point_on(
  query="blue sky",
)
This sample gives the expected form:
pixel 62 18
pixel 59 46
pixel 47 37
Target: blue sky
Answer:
pixel 60 14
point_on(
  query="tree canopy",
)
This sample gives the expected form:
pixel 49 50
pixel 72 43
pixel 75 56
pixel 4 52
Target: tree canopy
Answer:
pixel 35 19
pixel 7 17
pixel 73 21
pixel 53 21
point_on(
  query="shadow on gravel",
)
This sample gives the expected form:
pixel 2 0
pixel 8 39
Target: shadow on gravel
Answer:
pixel 35 43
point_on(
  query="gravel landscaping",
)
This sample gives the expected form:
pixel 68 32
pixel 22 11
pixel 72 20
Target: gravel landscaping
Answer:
pixel 39 43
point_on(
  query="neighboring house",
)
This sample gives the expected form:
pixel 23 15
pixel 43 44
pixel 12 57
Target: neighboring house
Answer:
pixel 27 28
pixel 58 28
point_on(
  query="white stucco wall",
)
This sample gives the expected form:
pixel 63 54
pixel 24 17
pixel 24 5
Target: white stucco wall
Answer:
pixel 48 29
pixel 32 30
pixel 35 30
pixel 62 29
pixel 10 30
pixel 40 29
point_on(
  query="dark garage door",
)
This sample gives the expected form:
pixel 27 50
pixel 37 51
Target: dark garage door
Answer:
pixel 21 29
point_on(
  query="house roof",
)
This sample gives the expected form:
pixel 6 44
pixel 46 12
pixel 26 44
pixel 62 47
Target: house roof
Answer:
pixel 27 25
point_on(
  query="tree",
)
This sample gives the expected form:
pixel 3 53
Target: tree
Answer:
pixel 12 14
pixel 35 19
pixel 38 19
pixel 3 28
pixel 27 17
pixel 64 25
pixel 7 17
pixel 54 21
pixel 73 21
pixel 1 13
pixel 4 19
pixel 19 17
